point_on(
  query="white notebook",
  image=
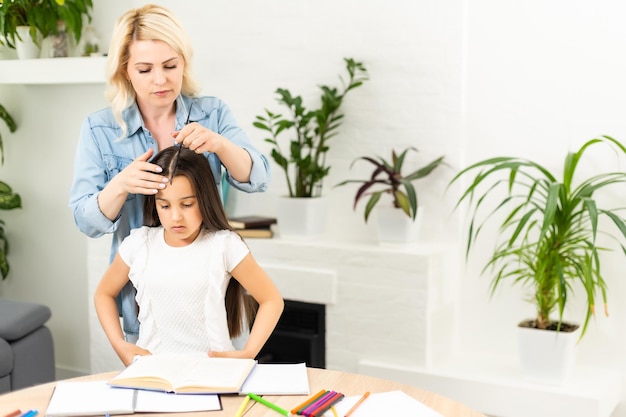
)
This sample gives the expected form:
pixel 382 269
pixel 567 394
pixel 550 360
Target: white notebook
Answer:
pixel 277 379
pixel 90 398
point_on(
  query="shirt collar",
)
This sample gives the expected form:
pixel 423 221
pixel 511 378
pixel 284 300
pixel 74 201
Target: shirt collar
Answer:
pixel 134 121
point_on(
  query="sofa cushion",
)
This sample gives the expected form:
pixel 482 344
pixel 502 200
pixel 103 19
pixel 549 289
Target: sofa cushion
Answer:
pixel 6 359
pixel 18 318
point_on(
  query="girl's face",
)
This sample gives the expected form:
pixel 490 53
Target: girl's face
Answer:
pixel 156 73
pixel 179 212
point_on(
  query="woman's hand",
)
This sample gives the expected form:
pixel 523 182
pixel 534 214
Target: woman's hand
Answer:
pixel 141 176
pixel 199 139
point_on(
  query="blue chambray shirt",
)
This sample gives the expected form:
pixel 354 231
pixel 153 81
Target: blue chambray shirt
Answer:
pixel 101 155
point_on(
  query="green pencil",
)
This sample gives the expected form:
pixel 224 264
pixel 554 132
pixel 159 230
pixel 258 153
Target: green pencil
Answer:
pixel 269 404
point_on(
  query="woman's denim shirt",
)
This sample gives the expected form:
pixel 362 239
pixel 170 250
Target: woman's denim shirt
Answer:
pixel 101 155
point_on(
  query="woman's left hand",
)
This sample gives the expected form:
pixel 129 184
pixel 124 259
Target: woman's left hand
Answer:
pixel 198 138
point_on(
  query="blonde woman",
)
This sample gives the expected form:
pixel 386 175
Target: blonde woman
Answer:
pixel 154 104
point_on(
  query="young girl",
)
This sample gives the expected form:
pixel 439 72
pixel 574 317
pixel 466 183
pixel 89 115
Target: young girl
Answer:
pixel 181 263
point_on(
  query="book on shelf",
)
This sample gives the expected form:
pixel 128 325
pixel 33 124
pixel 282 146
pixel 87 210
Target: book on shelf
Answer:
pixel 260 232
pixel 251 222
pixel 185 373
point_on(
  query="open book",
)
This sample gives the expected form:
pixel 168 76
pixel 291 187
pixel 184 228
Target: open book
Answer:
pixel 185 373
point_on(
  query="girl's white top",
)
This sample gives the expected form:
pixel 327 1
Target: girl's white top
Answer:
pixel 181 290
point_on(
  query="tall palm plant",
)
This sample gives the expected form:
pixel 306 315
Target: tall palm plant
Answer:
pixel 548 236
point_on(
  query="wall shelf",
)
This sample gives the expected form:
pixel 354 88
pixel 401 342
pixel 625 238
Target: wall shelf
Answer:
pixel 72 70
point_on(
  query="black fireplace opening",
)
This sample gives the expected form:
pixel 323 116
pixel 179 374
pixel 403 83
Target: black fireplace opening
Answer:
pixel 299 336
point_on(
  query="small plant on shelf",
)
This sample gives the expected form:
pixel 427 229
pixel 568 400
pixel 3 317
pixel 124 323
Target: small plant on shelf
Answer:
pixel 43 17
pixel 387 179
pixel 304 158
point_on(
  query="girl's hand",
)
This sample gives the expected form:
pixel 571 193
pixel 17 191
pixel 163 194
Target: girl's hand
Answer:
pixel 198 138
pixel 230 354
pixel 127 352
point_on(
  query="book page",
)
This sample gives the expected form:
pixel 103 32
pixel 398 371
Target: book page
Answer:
pixel 191 372
pixel 88 398
pixel 277 379
pixel 164 402
pixel 167 367
pixel 222 374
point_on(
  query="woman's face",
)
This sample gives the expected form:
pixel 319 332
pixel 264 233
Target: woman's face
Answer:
pixel 156 73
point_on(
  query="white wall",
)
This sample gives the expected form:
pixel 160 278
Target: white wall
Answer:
pixel 466 79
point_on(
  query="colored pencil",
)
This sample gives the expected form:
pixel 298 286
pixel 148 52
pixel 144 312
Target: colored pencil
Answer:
pixel 242 407
pixel 269 404
pixel 327 404
pixel 317 403
pixel 354 407
pixel 14 413
pixel 299 408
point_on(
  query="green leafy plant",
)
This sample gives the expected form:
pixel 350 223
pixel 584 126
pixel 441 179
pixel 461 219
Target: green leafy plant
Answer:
pixel 8 199
pixel 547 235
pixel 388 175
pixel 304 159
pixel 43 17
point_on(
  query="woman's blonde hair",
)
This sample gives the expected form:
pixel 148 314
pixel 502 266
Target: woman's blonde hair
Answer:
pixel 149 22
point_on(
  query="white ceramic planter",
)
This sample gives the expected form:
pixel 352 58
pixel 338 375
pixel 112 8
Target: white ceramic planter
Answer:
pixel 547 356
pixel 26 48
pixel 394 226
pixel 301 218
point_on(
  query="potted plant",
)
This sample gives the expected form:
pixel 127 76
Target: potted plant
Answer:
pixel 547 242
pixel 303 156
pixel 42 17
pixel 399 223
pixel 8 199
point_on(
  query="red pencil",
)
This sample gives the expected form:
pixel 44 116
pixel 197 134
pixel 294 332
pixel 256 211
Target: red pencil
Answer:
pixel 14 413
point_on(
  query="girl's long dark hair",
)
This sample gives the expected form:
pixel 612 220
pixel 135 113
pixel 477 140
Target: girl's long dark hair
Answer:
pixel 240 307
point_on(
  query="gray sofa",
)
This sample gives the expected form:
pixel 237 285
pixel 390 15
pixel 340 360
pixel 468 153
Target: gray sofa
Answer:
pixel 26 347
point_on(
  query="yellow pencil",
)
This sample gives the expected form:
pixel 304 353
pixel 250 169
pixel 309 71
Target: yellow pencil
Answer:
pixel 242 407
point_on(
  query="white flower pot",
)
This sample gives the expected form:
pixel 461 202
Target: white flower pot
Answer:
pixel 26 48
pixel 394 226
pixel 547 356
pixel 301 218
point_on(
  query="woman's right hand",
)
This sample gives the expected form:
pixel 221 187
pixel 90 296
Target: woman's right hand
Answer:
pixel 141 177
